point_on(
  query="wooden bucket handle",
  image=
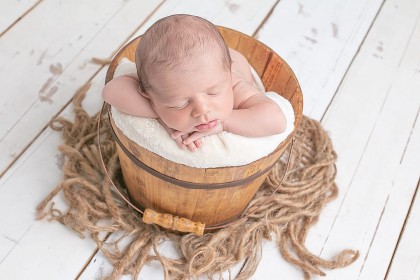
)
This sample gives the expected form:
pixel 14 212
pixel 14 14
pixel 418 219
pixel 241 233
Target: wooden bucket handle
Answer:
pixel 170 221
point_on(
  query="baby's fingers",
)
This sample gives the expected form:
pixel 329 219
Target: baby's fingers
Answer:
pixel 193 138
pixel 178 141
pixel 192 147
pixel 178 134
pixel 198 143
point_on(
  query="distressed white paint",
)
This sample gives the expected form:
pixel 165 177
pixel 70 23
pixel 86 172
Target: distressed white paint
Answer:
pixel 370 135
pixel 47 56
pixel 318 39
pixel 30 179
pixel 371 120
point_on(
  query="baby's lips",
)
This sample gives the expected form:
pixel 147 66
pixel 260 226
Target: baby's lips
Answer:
pixel 207 126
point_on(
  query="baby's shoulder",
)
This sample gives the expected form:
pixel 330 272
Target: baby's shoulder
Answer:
pixel 241 69
pixel 237 56
pixel 242 80
pixel 240 65
pixel 242 90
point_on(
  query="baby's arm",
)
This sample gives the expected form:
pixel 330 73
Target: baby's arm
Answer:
pixel 256 115
pixel 123 93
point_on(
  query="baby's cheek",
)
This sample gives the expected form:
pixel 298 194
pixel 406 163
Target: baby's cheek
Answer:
pixel 227 107
pixel 177 121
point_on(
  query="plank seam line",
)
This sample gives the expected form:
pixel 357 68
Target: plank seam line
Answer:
pixel 4 180
pixel 16 243
pixel 265 19
pixel 413 200
pixel 352 60
pixel 373 237
pixel 88 261
pixel 411 133
pixel 20 17
pixel 138 28
pixel 17 121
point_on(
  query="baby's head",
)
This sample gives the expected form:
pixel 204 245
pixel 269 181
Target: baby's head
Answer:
pixel 184 69
pixel 171 43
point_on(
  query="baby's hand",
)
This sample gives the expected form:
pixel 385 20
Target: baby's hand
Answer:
pixel 179 137
pixel 197 135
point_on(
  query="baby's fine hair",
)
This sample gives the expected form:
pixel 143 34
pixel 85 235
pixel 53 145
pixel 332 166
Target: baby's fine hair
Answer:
pixel 173 41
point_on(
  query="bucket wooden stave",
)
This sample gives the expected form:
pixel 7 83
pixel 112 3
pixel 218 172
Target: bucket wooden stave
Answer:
pixel 205 197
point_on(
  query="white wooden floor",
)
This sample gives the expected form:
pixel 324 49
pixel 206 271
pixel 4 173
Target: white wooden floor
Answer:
pixel 358 62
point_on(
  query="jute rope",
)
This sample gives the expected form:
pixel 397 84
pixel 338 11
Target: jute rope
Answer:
pixel 95 208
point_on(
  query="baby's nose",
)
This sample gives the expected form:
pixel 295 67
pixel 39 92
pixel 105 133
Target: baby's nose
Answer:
pixel 201 107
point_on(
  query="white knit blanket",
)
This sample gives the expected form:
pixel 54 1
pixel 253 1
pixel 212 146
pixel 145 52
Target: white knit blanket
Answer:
pixel 219 150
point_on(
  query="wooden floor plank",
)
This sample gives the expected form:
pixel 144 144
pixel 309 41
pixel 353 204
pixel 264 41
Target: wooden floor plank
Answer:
pixel 46 65
pixel 318 39
pixel 370 120
pixel 12 11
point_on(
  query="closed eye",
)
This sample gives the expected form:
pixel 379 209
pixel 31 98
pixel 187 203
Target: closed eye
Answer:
pixel 214 93
pixel 179 107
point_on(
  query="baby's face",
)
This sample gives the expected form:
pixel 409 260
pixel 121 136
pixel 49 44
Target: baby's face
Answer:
pixel 195 97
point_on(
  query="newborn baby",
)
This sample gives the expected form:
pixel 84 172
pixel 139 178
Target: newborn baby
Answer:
pixel 194 85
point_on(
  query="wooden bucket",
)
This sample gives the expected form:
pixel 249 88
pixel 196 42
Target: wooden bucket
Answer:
pixel 207 195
